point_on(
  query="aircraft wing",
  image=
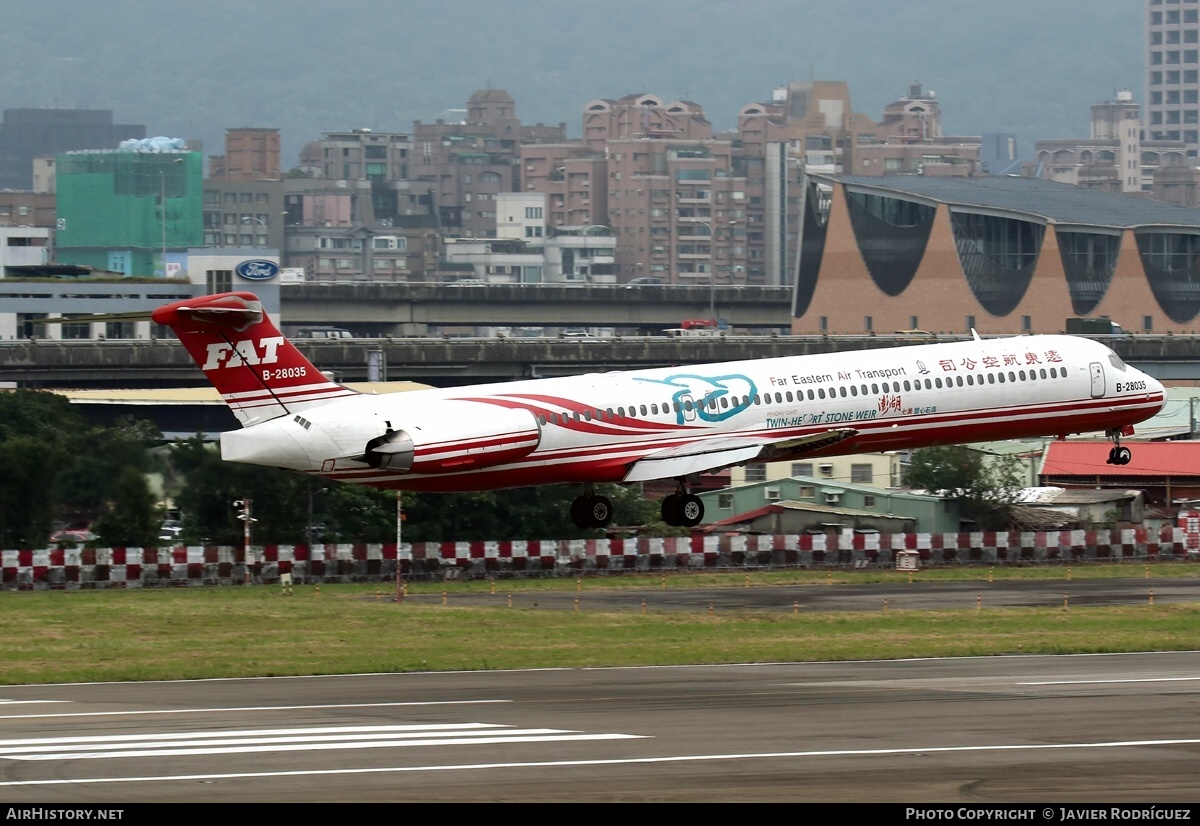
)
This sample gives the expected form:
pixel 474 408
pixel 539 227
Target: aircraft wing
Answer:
pixel 714 454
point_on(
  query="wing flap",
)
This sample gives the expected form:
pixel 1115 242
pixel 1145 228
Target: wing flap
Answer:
pixel 714 454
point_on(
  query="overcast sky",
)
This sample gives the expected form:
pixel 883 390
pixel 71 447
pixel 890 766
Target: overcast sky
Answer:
pixel 193 70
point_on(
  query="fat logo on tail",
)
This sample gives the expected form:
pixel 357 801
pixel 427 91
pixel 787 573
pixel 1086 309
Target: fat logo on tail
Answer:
pixel 258 372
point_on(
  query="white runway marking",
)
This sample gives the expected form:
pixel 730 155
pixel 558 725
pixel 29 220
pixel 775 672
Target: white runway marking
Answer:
pixel 248 741
pixel 1123 680
pixel 222 710
pixel 693 758
pixel 29 702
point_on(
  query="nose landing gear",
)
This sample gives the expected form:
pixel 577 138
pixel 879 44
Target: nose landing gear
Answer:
pixel 1118 455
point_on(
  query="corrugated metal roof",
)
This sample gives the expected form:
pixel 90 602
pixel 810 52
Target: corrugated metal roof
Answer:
pixel 1090 459
pixel 1054 202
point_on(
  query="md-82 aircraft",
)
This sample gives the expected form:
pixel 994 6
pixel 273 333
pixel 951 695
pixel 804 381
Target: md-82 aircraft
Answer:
pixel 640 425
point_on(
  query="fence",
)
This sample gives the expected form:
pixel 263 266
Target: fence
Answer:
pixel 224 565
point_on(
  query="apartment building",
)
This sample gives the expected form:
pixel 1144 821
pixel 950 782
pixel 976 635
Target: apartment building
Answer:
pixel 251 154
pixel 469 163
pixel 1117 157
pixel 1173 72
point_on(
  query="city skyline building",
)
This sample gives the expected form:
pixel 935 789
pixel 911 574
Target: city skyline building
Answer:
pixel 124 211
pixel 469 163
pixel 30 133
pixel 1118 157
pixel 251 154
pixel 1172 61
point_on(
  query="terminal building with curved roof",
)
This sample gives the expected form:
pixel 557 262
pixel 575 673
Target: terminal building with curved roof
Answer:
pixel 997 254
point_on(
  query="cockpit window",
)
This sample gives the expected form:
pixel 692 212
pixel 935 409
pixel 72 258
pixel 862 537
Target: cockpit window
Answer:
pixel 1116 362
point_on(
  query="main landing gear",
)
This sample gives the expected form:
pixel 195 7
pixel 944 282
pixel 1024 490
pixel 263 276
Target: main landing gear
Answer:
pixel 590 510
pixel 1118 455
pixel 682 509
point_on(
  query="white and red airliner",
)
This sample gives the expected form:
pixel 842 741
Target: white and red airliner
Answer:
pixel 665 423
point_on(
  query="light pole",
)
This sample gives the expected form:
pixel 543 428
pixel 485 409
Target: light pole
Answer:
pixel 266 225
pixel 712 267
pixel 585 233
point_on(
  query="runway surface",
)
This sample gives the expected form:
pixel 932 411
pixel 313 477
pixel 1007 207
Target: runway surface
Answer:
pixel 1088 729
pixel 1031 593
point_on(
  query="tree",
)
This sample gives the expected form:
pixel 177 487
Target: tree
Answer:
pixel 98 459
pixel 985 491
pixel 280 502
pixel 26 490
pixel 133 516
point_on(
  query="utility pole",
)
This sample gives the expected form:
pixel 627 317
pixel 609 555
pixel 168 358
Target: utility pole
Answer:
pixel 399 545
pixel 244 515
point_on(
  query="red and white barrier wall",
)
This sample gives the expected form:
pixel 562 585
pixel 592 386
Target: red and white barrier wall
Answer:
pixel 224 565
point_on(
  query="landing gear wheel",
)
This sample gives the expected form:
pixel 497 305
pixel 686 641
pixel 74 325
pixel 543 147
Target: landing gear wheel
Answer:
pixel 579 512
pixel 691 510
pixel 672 509
pixel 682 510
pixel 591 511
pixel 600 511
pixel 1120 456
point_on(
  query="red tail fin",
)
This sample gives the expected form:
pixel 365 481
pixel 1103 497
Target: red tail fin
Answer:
pixel 259 373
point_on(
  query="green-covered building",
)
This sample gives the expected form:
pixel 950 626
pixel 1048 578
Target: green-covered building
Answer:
pixel 802 505
pixel 125 211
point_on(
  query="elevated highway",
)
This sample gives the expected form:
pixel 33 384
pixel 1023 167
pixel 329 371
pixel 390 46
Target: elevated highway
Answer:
pixel 383 309
pixel 455 361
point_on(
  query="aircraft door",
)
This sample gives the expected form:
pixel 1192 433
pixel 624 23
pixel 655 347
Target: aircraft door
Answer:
pixel 1097 371
pixel 687 407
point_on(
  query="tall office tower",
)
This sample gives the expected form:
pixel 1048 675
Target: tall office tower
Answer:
pixel 1172 66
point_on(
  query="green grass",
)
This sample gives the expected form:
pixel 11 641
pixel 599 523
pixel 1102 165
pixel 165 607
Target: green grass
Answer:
pixel 78 636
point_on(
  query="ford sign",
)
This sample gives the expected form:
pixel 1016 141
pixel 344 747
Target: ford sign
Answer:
pixel 258 270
